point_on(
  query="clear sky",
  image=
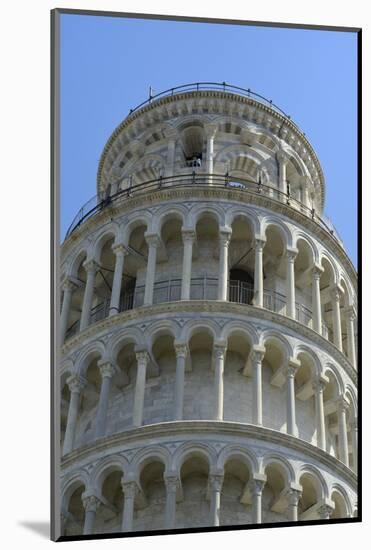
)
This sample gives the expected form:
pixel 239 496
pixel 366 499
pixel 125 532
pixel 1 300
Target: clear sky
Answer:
pixel 108 64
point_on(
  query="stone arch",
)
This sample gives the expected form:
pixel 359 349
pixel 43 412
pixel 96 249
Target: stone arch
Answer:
pixel 150 164
pixel 160 328
pixel 106 467
pixel 130 335
pixel 283 464
pixel 190 448
pixel 109 232
pixel 284 231
pixel 199 210
pixel 331 369
pixel 77 259
pixel 167 212
pixel 335 489
pixel 274 336
pixel 348 293
pixel 301 236
pixel 237 452
pixel 209 325
pixel 239 326
pixel 324 255
pixel 71 482
pixel 139 219
pixel 94 349
pixel 145 456
pixel 246 213
pixel 300 349
pixel 315 474
pixel 231 153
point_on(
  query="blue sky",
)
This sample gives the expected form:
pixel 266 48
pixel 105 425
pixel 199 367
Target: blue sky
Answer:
pixel 108 64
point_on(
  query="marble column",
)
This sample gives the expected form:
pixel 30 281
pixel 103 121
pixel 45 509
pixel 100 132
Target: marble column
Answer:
pixel 130 490
pixel 140 386
pixel 343 436
pixel 181 351
pixel 291 409
pixel 91 504
pixel 224 240
pixel 290 281
pixel 335 295
pixel 294 496
pixel 256 488
pixel 120 253
pixel 219 358
pixel 316 298
pixel 215 486
pixel 210 131
pixel 68 289
pixel 91 268
pixel 350 318
pixel 107 371
pixel 282 159
pixel 188 240
pixel 172 484
pixel 258 273
pixel 257 355
pixel 76 384
pixel 318 387
pixel 153 242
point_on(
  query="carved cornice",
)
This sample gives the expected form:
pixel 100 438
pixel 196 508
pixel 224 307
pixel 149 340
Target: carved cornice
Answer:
pixel 127 204
pixel 198 429
pixel 197 306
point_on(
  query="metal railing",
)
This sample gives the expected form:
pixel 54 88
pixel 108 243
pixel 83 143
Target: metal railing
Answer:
pixel 201 288
pixel 96 204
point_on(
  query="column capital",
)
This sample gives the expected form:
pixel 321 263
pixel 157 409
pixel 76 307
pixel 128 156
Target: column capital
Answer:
pixel 152 239
pixel 282 156
pixel 119 249
pixel 106 368
pixel 256 484
pixel 342 404
pixel 257 353
pixel 129 488
pixel 76 383
pixel 220 348
pixel 292 367
pixel 216 481
pixel 210 129
pixel 181 349
pixel 90 502
pixel 319 382
pixel 142 356
pixel 91 266
pixel 336 292
pixel 326 509
pixel 293 496
pixel 225 234
pixel 68 284
pixel 188 235
pixel 317 271
pixel 351 313
pixel 172 482
pixel 291 254
pixel 259 241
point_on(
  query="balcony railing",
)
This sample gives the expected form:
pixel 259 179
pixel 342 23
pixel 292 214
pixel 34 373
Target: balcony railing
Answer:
pixel 202 288
pixel 97 204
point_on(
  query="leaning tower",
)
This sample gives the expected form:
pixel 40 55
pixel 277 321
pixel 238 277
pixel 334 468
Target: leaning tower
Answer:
pixel 208 337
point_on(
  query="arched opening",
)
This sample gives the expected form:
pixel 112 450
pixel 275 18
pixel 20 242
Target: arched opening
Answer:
pixel 310 498
pixel 241 262
pixel 235 506
pixel 274 270
pixel 199 380
pixel 150 513
pixel 123 395
pixel 205 264
pixel 192 145
pixel 85 429
pixel 303 283
pixel 160 395
pixel 341 508
pixel 305 400
pixel 74 317
pixel 134 276
pixel 194 509
pixel 103 281
pixel 168 283
pixel 74 514
pixel 109 513
pixel 331 395
pixel 238 389
pixel 274 387
pixel 274 501
pixel 327 281
pixel 65 404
